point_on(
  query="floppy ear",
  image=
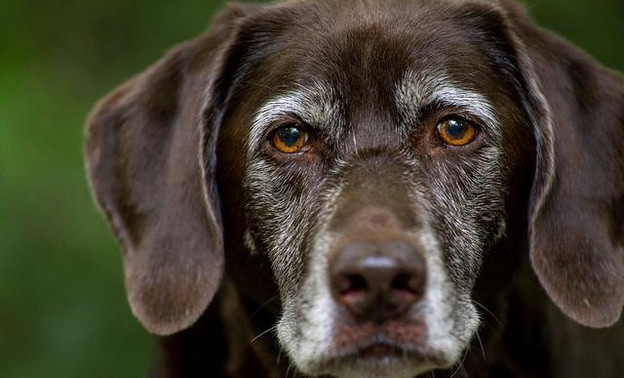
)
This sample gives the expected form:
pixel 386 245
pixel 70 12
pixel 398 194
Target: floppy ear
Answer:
pixel 577 199
pixel 143 155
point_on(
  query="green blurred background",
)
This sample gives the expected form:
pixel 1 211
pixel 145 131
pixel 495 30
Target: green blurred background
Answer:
pixel 63 310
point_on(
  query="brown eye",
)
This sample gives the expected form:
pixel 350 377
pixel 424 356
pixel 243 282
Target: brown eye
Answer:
pixel 290 139
pixel 456 131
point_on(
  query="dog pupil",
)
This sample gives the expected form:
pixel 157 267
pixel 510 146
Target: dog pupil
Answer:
pixel 456 128
pixel 290 136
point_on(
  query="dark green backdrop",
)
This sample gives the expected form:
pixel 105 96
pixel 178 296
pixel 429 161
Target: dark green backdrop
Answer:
pixel 63 311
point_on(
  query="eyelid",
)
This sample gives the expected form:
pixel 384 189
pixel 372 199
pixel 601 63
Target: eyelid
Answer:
pixel 439 110
pixel 462 116
pixel 281 121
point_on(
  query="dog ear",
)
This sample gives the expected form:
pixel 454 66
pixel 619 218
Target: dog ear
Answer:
pixel 155 188
pixel 577 200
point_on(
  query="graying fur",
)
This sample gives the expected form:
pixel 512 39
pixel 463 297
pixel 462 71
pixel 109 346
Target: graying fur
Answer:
pixel 455 204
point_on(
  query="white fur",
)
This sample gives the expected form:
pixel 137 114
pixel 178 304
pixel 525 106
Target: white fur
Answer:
pixel 419 89
pixel 316 105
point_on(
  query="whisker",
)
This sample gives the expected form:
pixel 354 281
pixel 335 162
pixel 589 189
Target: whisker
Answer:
pixel 273 298
pixel 290 369
pixel 279 357
pixel 461 365
pixel 481 346
pixel 273 328
pixel 487 311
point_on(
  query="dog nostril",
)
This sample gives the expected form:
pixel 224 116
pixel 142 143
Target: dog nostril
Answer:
pixel 346 284
pixel 407 282
pixel 352 290
pixel 353 283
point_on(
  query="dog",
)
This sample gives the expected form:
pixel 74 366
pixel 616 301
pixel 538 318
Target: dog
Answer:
pixel 361 188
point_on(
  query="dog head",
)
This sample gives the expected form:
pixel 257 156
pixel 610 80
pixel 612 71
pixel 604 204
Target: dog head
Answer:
pixel 366 157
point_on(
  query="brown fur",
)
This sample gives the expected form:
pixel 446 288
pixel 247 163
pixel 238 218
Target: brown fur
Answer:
pixel 169 178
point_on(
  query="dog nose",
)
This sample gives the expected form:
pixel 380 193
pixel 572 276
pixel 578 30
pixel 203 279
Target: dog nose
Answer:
pixel 377 281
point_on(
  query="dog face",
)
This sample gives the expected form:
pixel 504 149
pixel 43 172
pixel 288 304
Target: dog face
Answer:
pixel 374 170
pixel 367 157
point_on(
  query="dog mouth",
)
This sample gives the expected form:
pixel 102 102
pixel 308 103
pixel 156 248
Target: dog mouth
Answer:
pixel 380 351
pixel 388 351
pixel 382 358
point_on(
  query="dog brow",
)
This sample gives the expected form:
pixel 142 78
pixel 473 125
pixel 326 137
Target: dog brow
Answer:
pixel 315 104
pixel 417 90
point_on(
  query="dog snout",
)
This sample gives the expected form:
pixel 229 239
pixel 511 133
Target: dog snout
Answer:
pixel 377 280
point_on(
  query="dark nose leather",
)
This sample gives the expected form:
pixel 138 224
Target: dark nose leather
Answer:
pixel 377 280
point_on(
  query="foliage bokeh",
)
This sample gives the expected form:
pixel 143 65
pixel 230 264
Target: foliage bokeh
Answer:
pixel 63 311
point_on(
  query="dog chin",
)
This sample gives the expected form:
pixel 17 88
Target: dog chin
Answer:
pixel 380 361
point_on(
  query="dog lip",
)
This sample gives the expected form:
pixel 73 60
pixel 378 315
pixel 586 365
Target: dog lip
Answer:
pixel 383 350
pixel 379 353
pixel 379 350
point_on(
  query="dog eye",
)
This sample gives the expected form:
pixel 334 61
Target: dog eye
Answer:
pixel 290 139
pixel 456 131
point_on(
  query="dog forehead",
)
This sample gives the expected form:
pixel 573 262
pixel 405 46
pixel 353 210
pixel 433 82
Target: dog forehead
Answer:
pixel 363 49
